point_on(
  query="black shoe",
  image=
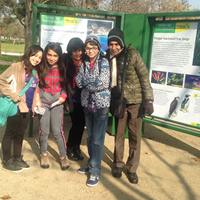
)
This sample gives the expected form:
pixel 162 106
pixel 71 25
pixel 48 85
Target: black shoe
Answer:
pixel 21 163
pixel 117 172
pixel 11 165
pixel 71 153
pixel 78 152
pixel 132 177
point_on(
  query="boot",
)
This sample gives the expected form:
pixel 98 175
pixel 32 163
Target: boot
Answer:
pixel 71 153
pixel 44 160
pixel 78 152
pixel 64 162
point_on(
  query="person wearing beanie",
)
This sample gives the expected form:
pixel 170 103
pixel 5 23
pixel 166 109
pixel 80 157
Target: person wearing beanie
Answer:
pixel 73 60
pixel 116 35
pixel 94 79
pixel 95 40
pixel 138 95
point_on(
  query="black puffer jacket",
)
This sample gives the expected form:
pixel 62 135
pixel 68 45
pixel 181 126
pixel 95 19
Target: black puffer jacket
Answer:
pixel 137 86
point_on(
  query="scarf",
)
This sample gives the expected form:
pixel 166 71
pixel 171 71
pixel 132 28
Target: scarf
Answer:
pixel 78 64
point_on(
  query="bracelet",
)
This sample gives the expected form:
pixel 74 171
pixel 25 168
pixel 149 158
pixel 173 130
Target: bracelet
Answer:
pixel 149 102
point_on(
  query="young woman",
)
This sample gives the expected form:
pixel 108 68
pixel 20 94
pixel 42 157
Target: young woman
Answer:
pixel 51 95
pixel 94 79
pixel 19 74
pixel 73 60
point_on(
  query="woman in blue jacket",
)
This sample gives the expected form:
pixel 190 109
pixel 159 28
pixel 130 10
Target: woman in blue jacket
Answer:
pixel 94 79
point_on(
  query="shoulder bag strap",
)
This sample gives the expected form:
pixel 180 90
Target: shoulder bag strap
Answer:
pixel 124 71
pixel 28 84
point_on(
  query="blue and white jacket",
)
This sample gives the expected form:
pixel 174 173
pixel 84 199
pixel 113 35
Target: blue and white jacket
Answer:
pixel 97 81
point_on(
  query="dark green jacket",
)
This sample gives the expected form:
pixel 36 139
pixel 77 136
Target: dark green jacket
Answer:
pixel 137 86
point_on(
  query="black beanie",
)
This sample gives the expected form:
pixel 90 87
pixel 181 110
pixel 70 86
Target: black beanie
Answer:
pixel 116 35
pixel 93 38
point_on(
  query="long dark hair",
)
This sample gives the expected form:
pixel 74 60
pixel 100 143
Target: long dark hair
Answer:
pixel 31 51
pixel 43 70
pixel 73 45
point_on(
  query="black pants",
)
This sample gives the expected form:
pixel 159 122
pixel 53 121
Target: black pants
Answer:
pixel 15 129
pixel 78 123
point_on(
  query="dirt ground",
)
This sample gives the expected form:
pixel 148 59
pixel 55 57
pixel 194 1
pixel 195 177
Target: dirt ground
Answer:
pixel 169 170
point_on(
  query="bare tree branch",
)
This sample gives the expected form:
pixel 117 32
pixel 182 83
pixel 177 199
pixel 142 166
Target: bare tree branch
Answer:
pixel 46 1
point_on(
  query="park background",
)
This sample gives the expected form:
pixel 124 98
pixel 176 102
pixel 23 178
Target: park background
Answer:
pixel 16 17
pixel 169 159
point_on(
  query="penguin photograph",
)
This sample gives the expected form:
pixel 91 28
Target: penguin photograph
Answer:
pixel 172 108
pixel 185 103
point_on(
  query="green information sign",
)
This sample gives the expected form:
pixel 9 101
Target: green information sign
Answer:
pixel 52 20
pixel 165 28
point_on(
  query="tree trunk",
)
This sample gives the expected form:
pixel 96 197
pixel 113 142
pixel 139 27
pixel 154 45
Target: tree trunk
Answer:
pixel 28 23
pixel 0 41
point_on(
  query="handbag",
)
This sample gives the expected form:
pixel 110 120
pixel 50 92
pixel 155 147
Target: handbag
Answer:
pixel 8 107
pixel 118 105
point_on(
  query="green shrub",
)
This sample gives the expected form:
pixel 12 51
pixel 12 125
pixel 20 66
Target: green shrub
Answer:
pixel 3 68
pixel 9 58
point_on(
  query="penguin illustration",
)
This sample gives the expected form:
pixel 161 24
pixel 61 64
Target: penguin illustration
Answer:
pixel 185 103
pixel 173 106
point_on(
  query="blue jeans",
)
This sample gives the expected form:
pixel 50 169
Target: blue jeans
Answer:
pixel 96 129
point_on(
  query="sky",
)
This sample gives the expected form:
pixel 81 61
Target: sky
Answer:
pixel 194 4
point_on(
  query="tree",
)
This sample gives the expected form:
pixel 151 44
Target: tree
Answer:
pixel 15 30
pixel 148 6
pixel 23 11
pixel 173 6
pixel 4 18
pixel 87 4
pixel 1 25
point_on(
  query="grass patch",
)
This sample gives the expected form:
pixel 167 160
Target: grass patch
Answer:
pixel 3 68
pixel 10 58
pixel 9 47
pixel 11 41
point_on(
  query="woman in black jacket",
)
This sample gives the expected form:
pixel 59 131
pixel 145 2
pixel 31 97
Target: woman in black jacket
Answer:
pixel 73 60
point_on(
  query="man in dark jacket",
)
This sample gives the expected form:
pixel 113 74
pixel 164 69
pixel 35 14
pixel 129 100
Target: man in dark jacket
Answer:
pixel 138 95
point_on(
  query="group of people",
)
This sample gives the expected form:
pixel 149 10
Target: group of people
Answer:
pixel 82 82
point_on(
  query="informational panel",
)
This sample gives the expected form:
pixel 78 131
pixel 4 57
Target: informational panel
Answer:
pixel 175 71
pixel 57 28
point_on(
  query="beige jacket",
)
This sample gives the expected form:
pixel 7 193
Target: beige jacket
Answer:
pixel 16 70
